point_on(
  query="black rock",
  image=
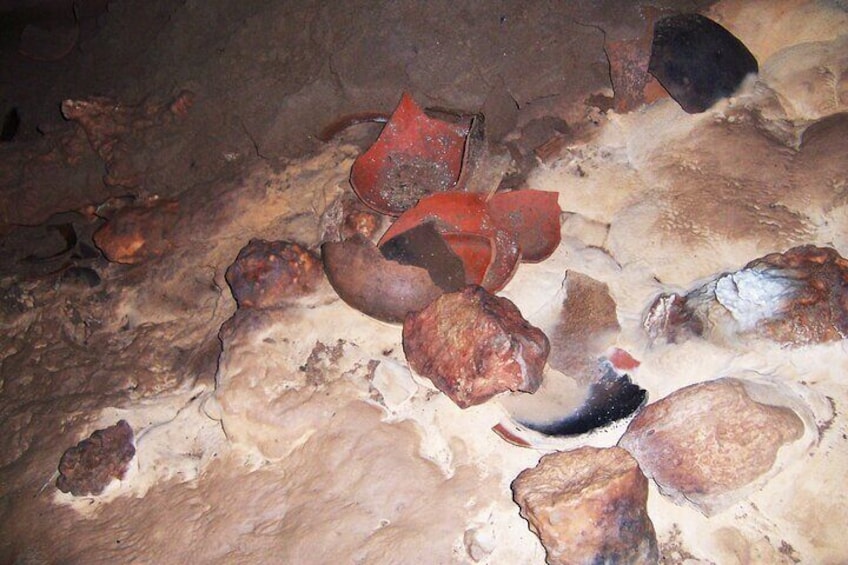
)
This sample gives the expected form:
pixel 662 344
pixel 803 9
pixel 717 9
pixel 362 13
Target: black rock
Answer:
pixel 698 61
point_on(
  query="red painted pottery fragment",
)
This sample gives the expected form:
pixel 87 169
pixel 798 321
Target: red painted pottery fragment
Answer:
pixel 414 156
pixel 465 213
pixel 533 215
pixel 476 254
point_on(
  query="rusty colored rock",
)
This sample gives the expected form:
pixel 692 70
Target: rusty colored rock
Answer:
pixel 588 506
pixel 793 298
pixel 88 467
pixel 473 345
pixel 705 442
pixel 818 310
pixel 268 273
pixel 138 233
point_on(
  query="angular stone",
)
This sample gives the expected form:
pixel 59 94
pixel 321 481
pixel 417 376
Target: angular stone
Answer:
pixel 588 506
pixel 88 467
pixel 473 345
pixel 794 298
pixel 268 273
pixel 707 442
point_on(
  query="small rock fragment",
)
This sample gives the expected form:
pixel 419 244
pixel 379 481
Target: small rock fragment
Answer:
pixel 588 506
pixel 793 298
pixel 473 345
pixel 138 233
pixel 268 273
pixel 88 467
pixel 705 442
pixel 698 61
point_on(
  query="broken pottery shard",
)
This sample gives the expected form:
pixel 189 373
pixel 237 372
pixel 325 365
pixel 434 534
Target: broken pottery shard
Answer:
pixel 415 155
pixel 423 246
pixel 586 390
pixel 138 233
pixel 383 288
pixel 698 61
pixel 707 442
pixel 473 345
pixel 588 506
pixel 88 467
pixel 793 298
pixel 586 327
pixel 269 273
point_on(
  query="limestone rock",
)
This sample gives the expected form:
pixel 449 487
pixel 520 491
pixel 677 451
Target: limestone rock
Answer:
pixel 588 506
pixel 90 466
pixel 707 442
pixel 267 273
pixel 794 298
pixel 473 345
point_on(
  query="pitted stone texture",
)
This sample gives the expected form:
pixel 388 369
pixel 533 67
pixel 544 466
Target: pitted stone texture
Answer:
pixel 269 273
pixel 588 506
pixel 794 298
pixel 707 442
pixel 90 466
pixel 473 345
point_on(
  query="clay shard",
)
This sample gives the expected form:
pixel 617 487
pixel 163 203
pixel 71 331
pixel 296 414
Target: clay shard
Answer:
pixel 89 467
pixel 459 213
pixel 793 298
pixel 698 61
pixel 473 345
pixel 271 273
pixel 589 385
pixel 534 216
pixel 379 287
pixel 705 443
pixel 415 155
pixel 588 506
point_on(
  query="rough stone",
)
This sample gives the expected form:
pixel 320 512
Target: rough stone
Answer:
pixel 138 233
pixel 88 467
pixel 588 506
pixel 706 442
pixel 794 298
pixel 269 273
pixel 473 345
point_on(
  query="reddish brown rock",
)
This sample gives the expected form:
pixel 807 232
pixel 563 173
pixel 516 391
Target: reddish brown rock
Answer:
pixel 588 506
pixel 794 298
pixel 268 273
pixel 473 345
pixel 138 233
pixel 705 443
pixel 90 466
